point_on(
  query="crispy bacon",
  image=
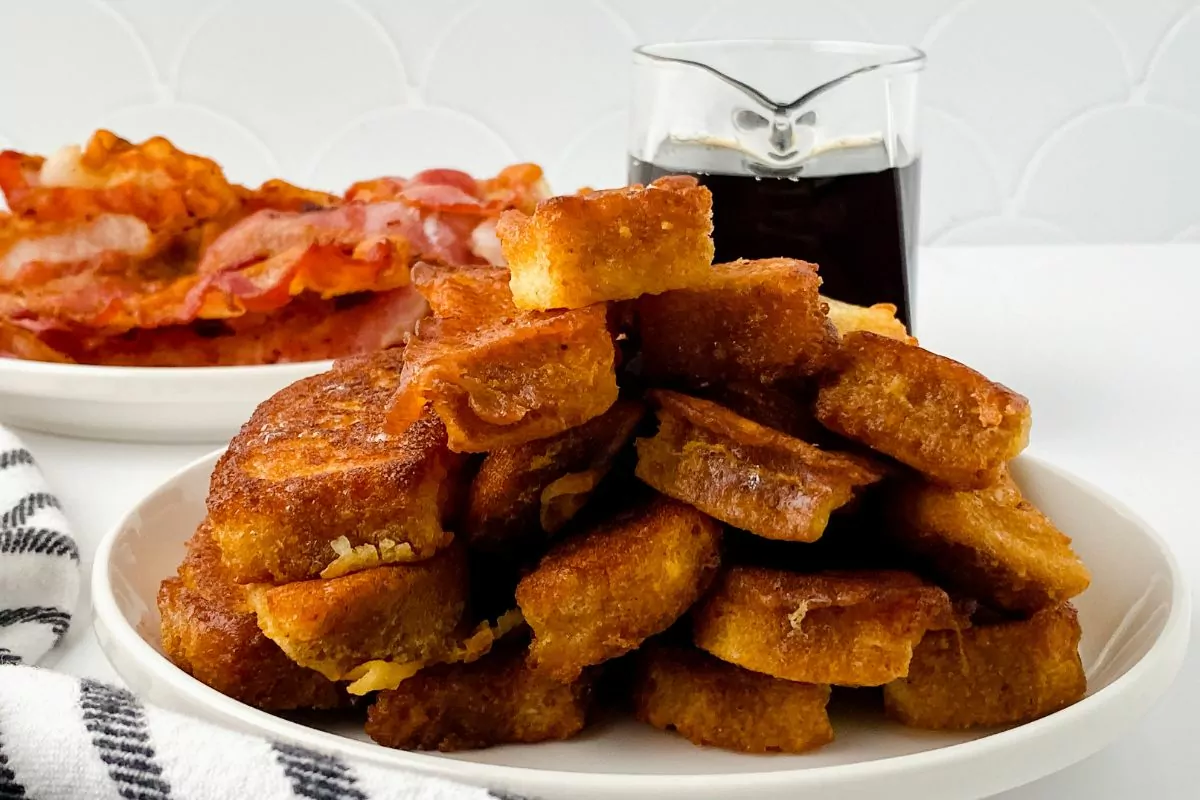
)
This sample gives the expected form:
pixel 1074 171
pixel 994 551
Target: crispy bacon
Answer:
pixel 101 271
pixel 308 329
pixel 118 237
pixel 27 246
pixel 269 233
pixel 272 256
pixel 106 296
pixel 153 181
pixel 17 342
pixel 519 186
pixel 283 196
pixel 108 235
pixel 374 190
pixel 257 265
pixel 443 216
pixel 373 264
pixel 103 297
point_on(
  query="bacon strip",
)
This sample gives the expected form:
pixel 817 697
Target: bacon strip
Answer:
pixel 283 196
pixel 519 186
pixel 268 233
pixel 16 342
pixel 308 329
pixel 444 216
pixel 153 181
pixel 117 237
pixel 25 245
pixel 374 264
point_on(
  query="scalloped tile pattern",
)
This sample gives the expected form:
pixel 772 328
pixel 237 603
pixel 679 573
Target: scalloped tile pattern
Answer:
pixel 783 19
pixel 1072 121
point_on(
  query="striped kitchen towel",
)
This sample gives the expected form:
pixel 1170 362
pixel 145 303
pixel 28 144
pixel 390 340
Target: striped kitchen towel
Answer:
pixel 39 562
pixel 67 739
pixel 62 738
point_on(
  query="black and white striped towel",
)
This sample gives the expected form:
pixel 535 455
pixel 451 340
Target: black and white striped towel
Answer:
pixel 68 739
pixel 39 562
pixel 62 738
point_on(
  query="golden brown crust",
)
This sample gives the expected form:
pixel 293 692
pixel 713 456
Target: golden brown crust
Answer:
pixel 314 463
pixel 498 699
pixel 710 702
pixel 1000 674
pixel 600 594
pixel 755 321
pixel 497 376
pixel 618 244
pixel 932 413
pixel 209 632
pixel 785 406
pixel 510 380
pixel 405 612
pixel 879 319
pixel 745 474
pixel 842 628
pixel 991 544
pixel 470 292
pixel 522 492
pixel 201 570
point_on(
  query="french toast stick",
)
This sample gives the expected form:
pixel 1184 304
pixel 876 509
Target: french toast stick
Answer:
pixel 498 376
pixel 498 699
pixel 527 491
pixel 991 543
pixel 507 381
pixel 209 631
pixel 745 474
pixel 600 593
pixel 754 321
pixel 841 628
pixel 784 406
pixel 399 612
pixel 930 412
pixel 997 674
pixel 711 702
pixel 467 292
pixel 616 244
pixel 314 464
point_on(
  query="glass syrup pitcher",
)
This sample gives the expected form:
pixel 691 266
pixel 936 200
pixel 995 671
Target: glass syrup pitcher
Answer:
pixel 810 150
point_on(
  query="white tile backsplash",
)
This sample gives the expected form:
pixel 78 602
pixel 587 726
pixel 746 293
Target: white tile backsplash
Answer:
pixel 1044 120
pixel 784 19
pixel 1132 173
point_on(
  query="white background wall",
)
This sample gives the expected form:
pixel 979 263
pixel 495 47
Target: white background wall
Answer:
pixel 1044 120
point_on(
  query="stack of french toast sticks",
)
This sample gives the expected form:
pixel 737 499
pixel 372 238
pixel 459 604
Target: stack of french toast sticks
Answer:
pixel 616 474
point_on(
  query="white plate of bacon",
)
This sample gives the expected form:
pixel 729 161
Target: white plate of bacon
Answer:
pixel 145 297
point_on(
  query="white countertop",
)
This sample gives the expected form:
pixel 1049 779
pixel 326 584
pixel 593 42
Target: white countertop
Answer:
pixel 1102 341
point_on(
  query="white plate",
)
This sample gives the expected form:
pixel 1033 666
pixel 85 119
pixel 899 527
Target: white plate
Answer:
pixel 1135 619
pixel 140 404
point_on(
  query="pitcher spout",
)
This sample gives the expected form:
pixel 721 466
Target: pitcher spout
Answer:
pixel 776 102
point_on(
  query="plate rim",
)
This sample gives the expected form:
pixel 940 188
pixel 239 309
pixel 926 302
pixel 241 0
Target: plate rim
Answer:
pixel 127 385
pixel 1162 660
pixel 50 369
